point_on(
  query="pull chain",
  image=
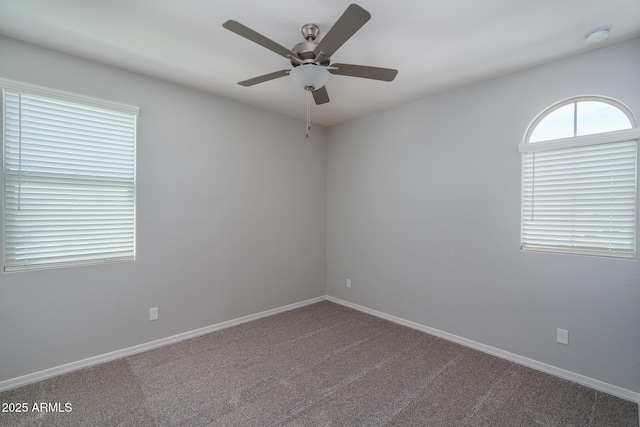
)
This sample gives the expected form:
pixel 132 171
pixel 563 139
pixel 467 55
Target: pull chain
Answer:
pixel 308 111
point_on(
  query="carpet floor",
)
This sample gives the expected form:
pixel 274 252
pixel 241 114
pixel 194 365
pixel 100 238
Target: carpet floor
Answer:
pixel 319 365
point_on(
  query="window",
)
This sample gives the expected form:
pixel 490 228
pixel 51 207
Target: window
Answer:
pixel 579 185
pixel 69 178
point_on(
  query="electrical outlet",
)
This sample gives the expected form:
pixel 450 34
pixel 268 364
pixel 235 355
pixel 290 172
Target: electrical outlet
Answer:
pixel 562 336
pixel 348 283
pixel 153 313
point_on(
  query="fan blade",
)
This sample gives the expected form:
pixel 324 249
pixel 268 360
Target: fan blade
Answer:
pixel 258 38
pixel 351 21
pixel 375 73
pixel 320 95
pixel 264 78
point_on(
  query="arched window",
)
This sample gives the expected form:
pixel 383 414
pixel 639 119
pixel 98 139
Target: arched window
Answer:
pixel 584 115
pixel 579 189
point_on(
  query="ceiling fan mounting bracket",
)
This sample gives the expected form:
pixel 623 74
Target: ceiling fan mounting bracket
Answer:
pixel 310 32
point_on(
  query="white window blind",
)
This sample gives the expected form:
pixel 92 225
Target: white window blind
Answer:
pixel 579 195
pixel 69 180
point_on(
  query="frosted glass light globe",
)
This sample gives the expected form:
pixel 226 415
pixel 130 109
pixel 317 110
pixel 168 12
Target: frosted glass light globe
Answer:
pixel 309 76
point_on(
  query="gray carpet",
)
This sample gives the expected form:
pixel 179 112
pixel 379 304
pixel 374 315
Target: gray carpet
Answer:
pixel 323 364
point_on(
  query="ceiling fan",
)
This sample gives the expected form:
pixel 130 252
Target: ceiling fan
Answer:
pixel 311 59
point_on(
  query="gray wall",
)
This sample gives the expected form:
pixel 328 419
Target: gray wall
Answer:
pixel 423 214
pixel 230 222
pixel 419 206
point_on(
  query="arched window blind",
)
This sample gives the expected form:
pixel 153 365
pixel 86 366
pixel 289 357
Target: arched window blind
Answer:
pixel 69 178
pixel 579 186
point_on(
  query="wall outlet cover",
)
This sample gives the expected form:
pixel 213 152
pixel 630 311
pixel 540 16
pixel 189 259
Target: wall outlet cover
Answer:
pixel 562 336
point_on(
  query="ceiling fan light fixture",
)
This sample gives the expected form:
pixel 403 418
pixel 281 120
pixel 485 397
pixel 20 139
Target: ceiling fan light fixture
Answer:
pixel 309 76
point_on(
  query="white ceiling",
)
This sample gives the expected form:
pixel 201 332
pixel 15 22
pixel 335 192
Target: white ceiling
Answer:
pixel 435 44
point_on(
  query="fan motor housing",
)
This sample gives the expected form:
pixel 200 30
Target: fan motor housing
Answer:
pixel 305 50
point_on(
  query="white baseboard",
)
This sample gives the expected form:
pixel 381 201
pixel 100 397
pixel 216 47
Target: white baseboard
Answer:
pixel 102 358
pixel 568 375
pixel 549 369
